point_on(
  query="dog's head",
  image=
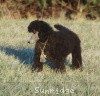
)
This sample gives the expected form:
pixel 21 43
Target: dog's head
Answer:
pixel 34 26
pixel 42 27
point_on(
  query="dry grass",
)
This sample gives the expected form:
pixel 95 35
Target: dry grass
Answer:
pixel 16 56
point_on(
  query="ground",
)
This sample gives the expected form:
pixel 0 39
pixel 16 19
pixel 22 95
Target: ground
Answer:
pixel 16 78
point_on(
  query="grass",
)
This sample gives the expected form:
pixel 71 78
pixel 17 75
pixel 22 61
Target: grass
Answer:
pixel 16 78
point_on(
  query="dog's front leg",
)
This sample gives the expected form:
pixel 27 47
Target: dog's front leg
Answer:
pixel 37 66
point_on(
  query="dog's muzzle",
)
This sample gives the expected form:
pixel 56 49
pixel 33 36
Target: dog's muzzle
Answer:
pixel 34 32
pixel 31 38
pixel 29 41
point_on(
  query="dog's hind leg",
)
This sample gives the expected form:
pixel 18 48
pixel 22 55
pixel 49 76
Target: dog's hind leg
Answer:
pixel 76 58
pixel 59 66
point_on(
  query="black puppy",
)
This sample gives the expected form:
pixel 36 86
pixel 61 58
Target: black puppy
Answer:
pixel 55 46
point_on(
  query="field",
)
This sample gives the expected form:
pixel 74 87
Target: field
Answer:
pixel 16 78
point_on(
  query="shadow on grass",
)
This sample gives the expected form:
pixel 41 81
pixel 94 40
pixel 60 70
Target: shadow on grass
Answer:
pixel 25 56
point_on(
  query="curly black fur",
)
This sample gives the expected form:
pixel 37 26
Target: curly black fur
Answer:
pixel 59 45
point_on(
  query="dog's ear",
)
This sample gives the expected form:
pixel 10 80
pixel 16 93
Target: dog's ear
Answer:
pixel 42 36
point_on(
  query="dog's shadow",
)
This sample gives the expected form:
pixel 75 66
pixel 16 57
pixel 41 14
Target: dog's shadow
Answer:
pixel 25 56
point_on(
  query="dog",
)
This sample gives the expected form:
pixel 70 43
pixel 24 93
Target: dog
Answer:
pixel 55 46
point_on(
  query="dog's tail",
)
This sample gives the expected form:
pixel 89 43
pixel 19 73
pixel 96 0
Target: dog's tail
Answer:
pixel 60 27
